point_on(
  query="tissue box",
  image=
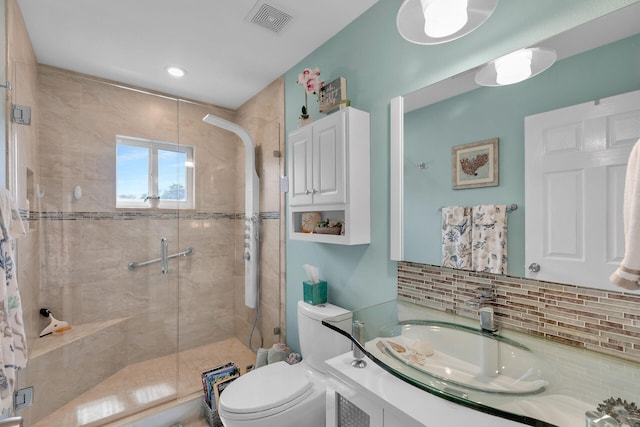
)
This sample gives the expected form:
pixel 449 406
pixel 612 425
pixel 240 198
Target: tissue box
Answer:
pixel 315 293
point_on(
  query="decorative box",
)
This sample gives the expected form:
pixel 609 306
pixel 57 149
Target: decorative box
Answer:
pixel 315 293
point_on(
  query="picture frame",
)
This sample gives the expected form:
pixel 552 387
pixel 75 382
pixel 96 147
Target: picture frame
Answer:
pixel 332 95
pixel 476 164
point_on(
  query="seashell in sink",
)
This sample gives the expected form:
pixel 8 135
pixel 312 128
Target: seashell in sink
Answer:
pixel 466 357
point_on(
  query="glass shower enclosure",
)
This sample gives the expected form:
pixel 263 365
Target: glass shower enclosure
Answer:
pixel 136 228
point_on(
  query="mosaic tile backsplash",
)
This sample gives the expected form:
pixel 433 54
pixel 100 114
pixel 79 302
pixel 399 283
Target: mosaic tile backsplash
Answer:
pixel 599 320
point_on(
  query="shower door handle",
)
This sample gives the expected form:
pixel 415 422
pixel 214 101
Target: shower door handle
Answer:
pixel 164 255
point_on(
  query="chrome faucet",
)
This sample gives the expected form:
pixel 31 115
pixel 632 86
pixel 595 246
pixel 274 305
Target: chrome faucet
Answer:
pixel 487 322
pixel 485 295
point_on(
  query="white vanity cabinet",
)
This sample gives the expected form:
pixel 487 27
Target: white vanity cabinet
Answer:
pixel 329 173
pixel 372 397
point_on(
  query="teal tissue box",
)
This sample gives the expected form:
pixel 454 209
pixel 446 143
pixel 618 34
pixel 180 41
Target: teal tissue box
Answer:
pixel 315 293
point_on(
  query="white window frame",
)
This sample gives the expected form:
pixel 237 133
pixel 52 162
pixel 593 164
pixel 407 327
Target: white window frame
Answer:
pixel 154 146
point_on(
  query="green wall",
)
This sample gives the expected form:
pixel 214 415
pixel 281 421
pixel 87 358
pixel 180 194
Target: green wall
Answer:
pixel 379 65
pixel 488 113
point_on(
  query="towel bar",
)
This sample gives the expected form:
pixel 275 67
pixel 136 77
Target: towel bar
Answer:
pixel 510 208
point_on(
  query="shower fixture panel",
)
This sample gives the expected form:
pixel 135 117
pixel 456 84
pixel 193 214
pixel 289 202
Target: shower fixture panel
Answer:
pixel 252 210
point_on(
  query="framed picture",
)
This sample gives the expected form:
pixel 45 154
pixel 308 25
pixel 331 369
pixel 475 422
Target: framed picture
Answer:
pixel 332 95
pixel 475 165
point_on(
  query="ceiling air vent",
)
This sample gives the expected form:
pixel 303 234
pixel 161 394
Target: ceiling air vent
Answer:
pixel 270 17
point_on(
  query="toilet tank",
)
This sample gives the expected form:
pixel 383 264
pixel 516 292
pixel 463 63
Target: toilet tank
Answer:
pixel 317 342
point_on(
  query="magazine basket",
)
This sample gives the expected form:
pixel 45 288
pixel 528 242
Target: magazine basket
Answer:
pixel 213 419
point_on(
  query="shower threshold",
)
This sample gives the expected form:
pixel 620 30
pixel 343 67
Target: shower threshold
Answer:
pixel 113 402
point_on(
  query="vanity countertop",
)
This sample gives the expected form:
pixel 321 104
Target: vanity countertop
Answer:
pixel 571 381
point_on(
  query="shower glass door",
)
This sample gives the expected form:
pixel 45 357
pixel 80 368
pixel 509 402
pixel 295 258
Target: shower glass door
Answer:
pixel 103 152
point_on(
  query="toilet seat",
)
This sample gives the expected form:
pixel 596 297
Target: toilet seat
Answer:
pixel 268 390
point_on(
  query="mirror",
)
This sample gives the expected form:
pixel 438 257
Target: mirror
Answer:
pixel 421 146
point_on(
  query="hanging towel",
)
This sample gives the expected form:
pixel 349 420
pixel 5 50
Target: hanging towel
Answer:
pixel 627 275
pixel 456 237
pixel 489 239
pixel 13 340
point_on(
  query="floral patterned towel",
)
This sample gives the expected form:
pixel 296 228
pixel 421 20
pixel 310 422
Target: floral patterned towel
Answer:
pixel 489 239
pixel 13 340
pixel 456 237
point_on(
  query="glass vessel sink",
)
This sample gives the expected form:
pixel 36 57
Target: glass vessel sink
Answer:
pixel 463 356
pixel 524 378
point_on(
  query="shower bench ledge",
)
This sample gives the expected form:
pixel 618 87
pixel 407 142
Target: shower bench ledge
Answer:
pixel 49 343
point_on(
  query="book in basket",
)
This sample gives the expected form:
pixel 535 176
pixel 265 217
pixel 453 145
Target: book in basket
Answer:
pixel 213 380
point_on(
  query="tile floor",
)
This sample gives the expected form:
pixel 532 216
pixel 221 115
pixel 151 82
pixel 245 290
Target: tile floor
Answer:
pixel 146 385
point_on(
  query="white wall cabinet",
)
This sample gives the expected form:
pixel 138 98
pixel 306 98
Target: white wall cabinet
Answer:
pixel 318 163
pixel 329 173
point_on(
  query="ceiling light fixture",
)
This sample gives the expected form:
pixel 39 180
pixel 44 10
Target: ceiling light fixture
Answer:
pixel 516 67
pixel 439 21
pixel 176 71
pixel 444 17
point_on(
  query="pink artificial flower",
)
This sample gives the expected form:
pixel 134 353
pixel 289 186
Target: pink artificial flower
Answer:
pixel 310 79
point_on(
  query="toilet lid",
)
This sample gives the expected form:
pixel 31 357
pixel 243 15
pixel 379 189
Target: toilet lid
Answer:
pixel 273 386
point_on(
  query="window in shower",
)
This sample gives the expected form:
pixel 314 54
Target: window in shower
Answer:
pixel 146 170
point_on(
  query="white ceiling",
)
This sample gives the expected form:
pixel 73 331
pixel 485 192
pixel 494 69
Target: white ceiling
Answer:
pixel 228 59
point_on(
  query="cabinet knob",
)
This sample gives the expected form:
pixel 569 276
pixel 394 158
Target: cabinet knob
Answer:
pixel 307 192
pixel 314 191
pixel 534 267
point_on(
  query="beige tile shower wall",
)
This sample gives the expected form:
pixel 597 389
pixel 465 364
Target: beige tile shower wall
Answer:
pixel 88 243
pixel 263 117
pixel 599 320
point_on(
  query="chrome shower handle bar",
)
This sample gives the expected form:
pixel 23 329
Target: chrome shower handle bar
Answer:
pixel 135 265
pixel 164 256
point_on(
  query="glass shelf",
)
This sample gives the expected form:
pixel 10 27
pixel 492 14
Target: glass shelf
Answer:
pixel 508 374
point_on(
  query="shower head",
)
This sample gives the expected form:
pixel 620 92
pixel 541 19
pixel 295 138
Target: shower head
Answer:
pixel 222 123
pixel 252 180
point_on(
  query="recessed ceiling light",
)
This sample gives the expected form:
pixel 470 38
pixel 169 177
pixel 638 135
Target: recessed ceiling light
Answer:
pixel 176 71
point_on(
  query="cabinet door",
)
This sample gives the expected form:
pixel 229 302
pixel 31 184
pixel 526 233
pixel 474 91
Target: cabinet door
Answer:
pixel 300 167
pixel 329 160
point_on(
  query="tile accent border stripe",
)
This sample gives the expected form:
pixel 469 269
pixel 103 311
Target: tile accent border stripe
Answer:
pixel 599 320
pixel 137 214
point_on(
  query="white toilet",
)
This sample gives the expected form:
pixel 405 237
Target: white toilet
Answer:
pixel 286 395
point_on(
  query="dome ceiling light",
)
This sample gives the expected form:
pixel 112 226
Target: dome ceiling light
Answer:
pixel 516 67
pixel 439 21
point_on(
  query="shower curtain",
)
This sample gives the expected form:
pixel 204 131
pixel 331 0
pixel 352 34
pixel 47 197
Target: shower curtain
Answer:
pixel 13 340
